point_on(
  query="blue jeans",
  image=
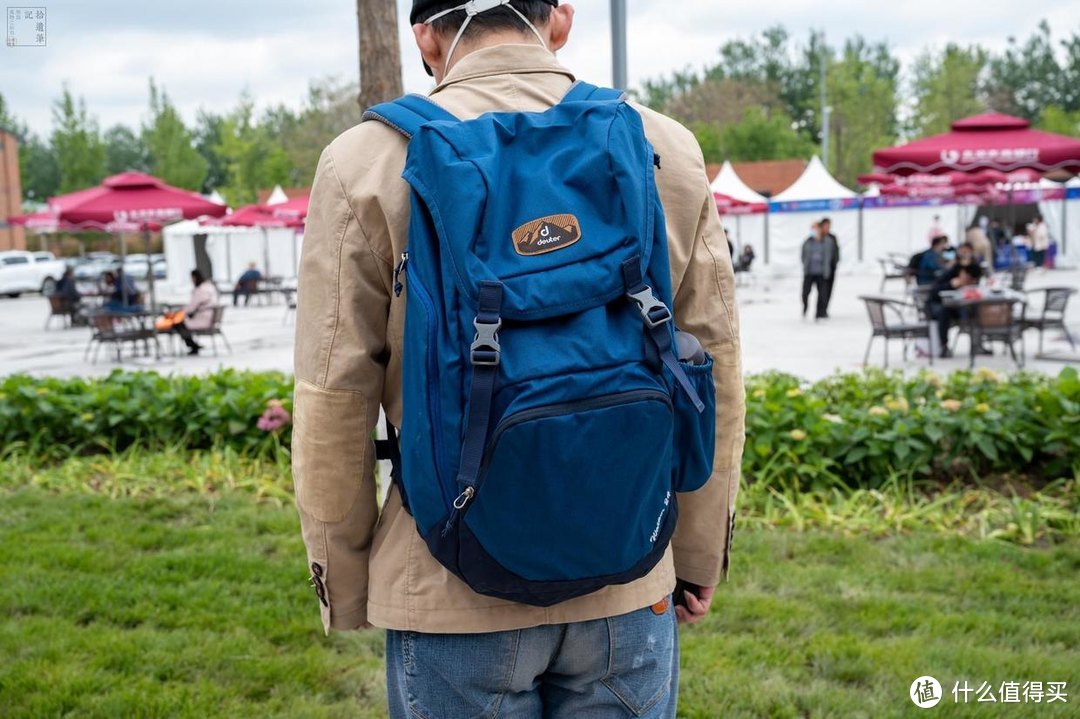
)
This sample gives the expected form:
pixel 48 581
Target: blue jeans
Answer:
pixel 625 666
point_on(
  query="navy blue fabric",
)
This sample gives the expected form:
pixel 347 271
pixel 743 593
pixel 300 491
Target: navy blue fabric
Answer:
pixel 568 435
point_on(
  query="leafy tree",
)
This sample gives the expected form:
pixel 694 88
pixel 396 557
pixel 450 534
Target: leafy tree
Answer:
pixel 207 136
pixel 252 157
pixel 169 145
pixel 763 136
pixel 329 110
pixel 124 151
pixel 1064 122
pixel 1026 78
pixel 38 169
pixel 863 93
pixel 946 87
pixel 76 144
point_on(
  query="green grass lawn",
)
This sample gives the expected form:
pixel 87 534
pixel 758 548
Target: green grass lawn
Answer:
pixel 196 607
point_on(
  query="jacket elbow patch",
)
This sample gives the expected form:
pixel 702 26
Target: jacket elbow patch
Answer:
pixel 329 451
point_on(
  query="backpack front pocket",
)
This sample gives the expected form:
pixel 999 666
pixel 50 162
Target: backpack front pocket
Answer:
pixel 576 490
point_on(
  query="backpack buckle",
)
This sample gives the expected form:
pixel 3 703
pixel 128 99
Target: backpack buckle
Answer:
pixel 485 349
pixel 653 312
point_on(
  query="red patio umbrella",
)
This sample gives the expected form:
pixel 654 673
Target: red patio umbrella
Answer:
pixel 984 142
pixel 132 200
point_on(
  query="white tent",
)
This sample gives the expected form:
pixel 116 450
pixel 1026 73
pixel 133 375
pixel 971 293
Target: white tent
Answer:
pixel 1063 220
pixel 729 183
pixel 742 229
pixel 816 194
pixel 277 196
pixel 275 251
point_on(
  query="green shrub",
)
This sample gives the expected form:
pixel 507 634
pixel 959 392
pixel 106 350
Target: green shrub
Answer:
pixel 54 418
pixel 853 429
pixel 863 429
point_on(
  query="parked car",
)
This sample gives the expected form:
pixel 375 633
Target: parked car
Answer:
pixel 94 265
pixel 22 271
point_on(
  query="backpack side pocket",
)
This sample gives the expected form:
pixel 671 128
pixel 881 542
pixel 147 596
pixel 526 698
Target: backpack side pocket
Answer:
pixel 695 432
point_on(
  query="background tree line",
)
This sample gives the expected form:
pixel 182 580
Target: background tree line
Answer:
pixel 759 101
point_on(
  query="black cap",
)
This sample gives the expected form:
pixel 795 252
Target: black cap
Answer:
pixel 420 7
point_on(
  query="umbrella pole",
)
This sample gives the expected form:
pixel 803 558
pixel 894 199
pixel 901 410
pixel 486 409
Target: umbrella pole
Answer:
pixel 150 268
pixel 1064 225
pixel 768 211
pixel 123 277
pixel 860 229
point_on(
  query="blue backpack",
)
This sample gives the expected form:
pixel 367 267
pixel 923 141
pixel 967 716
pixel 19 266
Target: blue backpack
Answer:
pixel 547 420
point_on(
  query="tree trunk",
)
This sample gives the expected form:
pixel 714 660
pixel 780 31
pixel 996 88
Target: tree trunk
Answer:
pixel 380 53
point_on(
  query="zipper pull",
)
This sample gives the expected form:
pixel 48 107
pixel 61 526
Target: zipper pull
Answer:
pixel 459 504
pixel 398 286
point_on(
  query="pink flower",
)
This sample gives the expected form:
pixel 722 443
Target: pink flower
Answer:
pixel 274 418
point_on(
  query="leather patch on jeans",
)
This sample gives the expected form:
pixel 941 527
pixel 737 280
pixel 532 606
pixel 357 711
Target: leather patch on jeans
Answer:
pixel 546 234
pixel 661 607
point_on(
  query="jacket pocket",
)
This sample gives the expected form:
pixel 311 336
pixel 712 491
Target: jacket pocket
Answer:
pixel 695 432
pixel 576 489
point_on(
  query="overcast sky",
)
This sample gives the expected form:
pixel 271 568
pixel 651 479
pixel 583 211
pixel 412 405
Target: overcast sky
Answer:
pixel 206 53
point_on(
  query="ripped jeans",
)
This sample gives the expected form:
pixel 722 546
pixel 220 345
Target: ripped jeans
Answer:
pixel 625 666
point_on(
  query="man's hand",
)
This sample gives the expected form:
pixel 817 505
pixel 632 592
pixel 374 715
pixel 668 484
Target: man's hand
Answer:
pixel 696 606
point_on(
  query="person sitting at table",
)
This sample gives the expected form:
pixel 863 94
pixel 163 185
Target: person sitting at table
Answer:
pixel 66 289
pixel 123 294
pixel 965 273
pixel 932 262
pixel 199 312
pixel 247 285
pixel 745 259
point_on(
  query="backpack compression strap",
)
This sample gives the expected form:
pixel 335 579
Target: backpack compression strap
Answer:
pixel 407 113
pixel 655 314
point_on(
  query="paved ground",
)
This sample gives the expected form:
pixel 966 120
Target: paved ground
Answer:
pixel 774 335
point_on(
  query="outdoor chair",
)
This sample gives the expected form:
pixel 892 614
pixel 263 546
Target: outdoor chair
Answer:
pixel 290 307
pixel 65 308
pixel 890 270
pixel 1052 317
pixel 887 321
pixel 998 320
pixel 214 330
pixel 116 330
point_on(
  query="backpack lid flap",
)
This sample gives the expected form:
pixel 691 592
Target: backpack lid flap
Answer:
pixel 549 204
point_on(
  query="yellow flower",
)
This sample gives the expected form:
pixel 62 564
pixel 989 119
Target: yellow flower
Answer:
pixel 982 408
pixel 878 411
pixel 834 418
pixel 86 416
pixel 797 434
pixel 987 374
pixel 933 379
pixel 794 392
pixel 898 405
pixel 41 390
pixel 953 405
pixel 759 393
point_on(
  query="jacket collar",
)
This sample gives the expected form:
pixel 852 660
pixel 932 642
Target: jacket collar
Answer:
pixel 503 60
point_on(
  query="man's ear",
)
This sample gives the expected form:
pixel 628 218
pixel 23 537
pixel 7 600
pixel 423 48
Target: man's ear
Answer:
pixel 560 22
pixel 427 40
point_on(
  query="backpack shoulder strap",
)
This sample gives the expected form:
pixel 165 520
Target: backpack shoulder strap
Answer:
pixel 582 91
pixel 407 113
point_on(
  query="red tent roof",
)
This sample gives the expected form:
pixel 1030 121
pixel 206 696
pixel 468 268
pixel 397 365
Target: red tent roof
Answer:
pixel 131 199
pixel 984 142
pixel 727 205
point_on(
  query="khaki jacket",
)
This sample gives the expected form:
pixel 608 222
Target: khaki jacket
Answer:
pixel 371 566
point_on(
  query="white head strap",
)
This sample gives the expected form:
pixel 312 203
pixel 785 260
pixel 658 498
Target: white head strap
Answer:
pixel 475 7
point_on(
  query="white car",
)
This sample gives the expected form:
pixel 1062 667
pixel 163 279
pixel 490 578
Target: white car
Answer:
pixel 22 271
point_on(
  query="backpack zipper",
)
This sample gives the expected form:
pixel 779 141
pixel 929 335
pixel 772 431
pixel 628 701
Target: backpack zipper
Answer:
pixel 551 410
pixel 398 286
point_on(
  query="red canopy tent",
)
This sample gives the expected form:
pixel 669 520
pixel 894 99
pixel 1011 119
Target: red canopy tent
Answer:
pixel 727 205
pixel 984 142
pixel 290 214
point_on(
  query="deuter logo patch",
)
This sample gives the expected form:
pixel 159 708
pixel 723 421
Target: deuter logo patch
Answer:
pixel 546 234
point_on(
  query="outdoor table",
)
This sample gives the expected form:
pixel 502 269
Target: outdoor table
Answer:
pixel 134 326
pixel 969 303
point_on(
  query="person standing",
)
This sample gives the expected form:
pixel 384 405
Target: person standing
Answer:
pixel 1040 241
pixel 820 255
pixel 981 246
pixel 450 651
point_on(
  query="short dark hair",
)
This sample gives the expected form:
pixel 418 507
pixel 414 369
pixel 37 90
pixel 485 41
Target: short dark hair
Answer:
pixel 197 277
pixel 968 245
pixel 939 240
pixel 500 18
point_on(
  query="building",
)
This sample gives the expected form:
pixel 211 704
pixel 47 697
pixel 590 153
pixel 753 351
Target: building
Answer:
pixel 11 237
